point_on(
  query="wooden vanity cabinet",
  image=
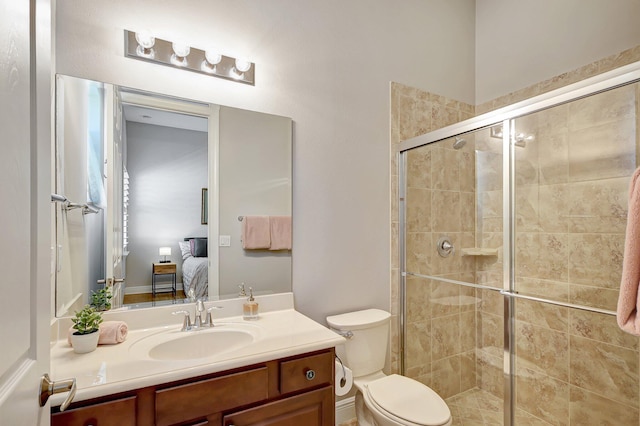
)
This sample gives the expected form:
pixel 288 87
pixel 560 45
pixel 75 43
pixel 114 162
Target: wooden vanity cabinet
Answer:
pixel 284 392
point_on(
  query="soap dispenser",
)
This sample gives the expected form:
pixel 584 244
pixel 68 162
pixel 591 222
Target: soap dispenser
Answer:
pixel 250 307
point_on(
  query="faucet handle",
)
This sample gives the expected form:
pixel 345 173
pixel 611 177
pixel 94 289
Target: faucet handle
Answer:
pixel 209 320
pixel 186 324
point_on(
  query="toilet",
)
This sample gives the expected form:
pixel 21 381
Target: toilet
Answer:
pixel 383 400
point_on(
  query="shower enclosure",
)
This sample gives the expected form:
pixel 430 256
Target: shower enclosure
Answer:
pixel 512 237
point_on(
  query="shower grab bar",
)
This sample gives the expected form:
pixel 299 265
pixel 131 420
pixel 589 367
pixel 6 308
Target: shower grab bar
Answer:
pixel 558 303
pixel 450 281
pixel 515 295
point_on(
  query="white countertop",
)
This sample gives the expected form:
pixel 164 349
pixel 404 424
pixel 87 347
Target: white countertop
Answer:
pixel 281 332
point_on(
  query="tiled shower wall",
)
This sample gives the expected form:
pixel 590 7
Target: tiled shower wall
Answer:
pixel 565 373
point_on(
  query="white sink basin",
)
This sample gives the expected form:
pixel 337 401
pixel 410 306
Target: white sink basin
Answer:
pixel 187 345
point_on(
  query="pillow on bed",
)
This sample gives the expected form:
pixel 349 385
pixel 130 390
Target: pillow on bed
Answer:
pixel 199 247
pixel 185 248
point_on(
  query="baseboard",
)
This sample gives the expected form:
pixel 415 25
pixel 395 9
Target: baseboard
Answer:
pixel 142 289
pixel 345 410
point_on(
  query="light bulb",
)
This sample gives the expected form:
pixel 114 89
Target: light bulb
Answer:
pixel 243 65
pixel 213 57
pixel 145 39
pixel 181 49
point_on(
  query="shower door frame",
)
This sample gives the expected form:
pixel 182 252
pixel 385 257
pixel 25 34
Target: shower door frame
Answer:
pixel 506 117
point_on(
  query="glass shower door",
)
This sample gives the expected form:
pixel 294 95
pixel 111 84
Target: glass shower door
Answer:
pixel 572 166
pixel 453 319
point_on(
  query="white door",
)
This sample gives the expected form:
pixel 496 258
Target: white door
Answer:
pixel 113 125
pixel 25 212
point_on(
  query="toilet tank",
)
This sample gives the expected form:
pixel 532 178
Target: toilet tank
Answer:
pixel 366 351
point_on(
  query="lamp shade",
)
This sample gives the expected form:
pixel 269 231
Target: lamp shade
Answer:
pixel 164 251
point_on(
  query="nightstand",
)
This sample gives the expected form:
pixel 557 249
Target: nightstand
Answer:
pixel 163 269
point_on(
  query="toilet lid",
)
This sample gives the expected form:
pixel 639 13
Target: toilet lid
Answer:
pixel 410 400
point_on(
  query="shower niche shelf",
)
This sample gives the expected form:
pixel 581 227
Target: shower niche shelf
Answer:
pixel 476 251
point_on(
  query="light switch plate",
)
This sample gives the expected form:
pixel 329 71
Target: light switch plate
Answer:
pixel 224 240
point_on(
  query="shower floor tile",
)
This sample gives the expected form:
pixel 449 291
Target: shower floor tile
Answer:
pixel 477 407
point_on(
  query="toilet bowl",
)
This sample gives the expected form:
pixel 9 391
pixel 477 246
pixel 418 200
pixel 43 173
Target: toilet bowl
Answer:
pixel 383 400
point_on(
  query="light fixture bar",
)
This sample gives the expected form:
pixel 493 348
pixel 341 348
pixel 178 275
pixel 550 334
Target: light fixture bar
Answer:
pixel 162 53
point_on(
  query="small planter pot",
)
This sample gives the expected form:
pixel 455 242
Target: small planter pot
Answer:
pixel 84 343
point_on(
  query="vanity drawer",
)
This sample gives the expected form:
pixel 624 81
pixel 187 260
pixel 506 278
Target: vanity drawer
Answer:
pixel 121 412
pixel 197 400
pixel 309 371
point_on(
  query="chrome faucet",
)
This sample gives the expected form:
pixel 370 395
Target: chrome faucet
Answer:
pixel 199 322
pixel 198 315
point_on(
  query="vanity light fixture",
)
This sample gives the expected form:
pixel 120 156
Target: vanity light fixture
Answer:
pixel 144 46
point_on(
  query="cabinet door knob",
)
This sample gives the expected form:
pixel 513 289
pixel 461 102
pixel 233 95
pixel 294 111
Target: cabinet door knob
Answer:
pixel 310 374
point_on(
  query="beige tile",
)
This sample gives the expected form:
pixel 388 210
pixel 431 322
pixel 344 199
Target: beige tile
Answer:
pixel 418 205
pixel 492 333
pixel 445 299
pixel 446 376
pixel 596 297
pixel 468 211
pixel 467 331
pixel 443 116
pixel 419 252
pixel 603 151
pixel 544 315
pixel 467 168
pixel 553 158
pixel 488 171
pixel 492 302
pixel 554 210
pixel 588 408
pixel 542 396
pixel 445 337
pixel 527 208
pixel 599 206
pixel 555 290
pixel 418 299
pixel 604 369
pixel 491 377
pixel 604 107
pixel 542 256
pixel 445 211
pixel 600 327
pixel 445 171
pixel 542 350
pixel 468 371
pixel 419 167
pixel 418 343
pixel 596 259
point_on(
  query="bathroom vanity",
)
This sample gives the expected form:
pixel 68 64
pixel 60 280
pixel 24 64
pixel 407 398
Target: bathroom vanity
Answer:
pixel 284 375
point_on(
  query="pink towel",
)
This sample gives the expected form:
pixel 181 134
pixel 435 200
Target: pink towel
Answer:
pixel 629 298
pixel 111 332
pixel 255 232
pixel 280 232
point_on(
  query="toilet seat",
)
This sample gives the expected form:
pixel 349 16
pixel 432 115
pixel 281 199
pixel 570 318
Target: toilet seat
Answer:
pixel 408 401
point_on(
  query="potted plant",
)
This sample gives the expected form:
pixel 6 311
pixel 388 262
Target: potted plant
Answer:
pixel 101 299
pixel 87 325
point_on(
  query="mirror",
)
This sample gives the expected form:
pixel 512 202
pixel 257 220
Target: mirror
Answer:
pixel 153 193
